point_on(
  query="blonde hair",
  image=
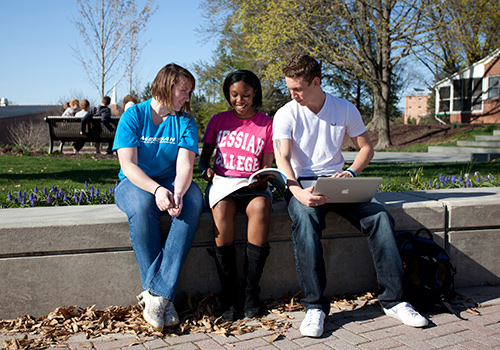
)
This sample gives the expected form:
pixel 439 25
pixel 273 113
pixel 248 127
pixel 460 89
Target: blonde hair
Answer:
pixel 73 102
pixel 162 86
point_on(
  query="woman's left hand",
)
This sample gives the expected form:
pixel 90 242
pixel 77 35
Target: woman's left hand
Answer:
pixel 176 210
pixel 164 199
pixel 261 183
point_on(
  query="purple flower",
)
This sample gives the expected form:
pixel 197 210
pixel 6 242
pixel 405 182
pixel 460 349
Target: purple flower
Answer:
pixel 9 196
pixel 430 183
pixel 437 185
pixel 81 196
pixel 49 199
pixel 86 186
pixel 45 191
pixel 97 192
pixel 36 189
pixel 65 198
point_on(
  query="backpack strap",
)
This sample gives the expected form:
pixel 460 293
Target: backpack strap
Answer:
pixel 453 311
pixel 426 231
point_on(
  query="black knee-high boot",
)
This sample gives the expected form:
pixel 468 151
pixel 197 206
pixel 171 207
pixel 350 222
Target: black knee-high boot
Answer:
pixel 255 259
pixel 225 260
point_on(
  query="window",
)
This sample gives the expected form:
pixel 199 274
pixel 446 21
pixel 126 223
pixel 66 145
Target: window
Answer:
pixel 444 99
pixel 467 95
pixel 493 87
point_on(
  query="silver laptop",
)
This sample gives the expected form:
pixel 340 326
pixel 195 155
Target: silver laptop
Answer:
pixel 345 189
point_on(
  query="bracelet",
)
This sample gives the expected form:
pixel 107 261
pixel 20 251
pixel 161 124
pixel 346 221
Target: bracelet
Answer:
pixel 156 189
pixel 352 172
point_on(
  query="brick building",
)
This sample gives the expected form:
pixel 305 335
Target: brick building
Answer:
pixel 471 95
pixel 416 105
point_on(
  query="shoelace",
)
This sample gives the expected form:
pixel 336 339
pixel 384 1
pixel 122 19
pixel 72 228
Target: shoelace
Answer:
pixel 314 317
pixel 408 309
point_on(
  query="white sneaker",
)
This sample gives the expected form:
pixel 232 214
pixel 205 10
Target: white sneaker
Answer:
pixel 153 309
pixel 312 325
pixel 170 316
pixel 407 314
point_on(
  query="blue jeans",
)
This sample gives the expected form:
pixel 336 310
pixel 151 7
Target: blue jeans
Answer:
pixel 160 260
pixel 370 218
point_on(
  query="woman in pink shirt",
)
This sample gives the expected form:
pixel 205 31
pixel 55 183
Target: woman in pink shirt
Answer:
pixel 242 138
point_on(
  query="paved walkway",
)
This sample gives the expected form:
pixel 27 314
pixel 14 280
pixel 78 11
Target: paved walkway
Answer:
pixel 363 328
pixel 412 157
pixel 379 157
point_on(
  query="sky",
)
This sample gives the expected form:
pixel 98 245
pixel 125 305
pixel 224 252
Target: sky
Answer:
pixel 37 63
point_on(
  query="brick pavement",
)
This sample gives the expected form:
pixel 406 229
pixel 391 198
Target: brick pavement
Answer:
pixel 366 329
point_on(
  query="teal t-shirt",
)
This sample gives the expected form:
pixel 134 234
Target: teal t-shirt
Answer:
pixel 157 145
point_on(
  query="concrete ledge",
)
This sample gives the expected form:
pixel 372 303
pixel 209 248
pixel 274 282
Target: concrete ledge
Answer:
pixel 81 255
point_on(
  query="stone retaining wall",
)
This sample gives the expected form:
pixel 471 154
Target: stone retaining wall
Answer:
pixel 81 255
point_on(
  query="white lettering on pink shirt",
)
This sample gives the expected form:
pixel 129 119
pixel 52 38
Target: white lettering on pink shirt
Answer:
pixel 238 140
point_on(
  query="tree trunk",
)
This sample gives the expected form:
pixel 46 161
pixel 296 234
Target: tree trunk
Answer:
pixel 380 121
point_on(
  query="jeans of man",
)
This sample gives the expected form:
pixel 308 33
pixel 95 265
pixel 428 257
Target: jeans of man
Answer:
pixel 160 261
pixel 370 218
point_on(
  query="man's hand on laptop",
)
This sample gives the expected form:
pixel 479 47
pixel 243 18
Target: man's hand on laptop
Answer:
pixel 306 196
pixel 344 173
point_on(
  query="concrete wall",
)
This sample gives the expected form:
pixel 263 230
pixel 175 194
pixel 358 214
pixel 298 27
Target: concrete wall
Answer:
pixel 81 255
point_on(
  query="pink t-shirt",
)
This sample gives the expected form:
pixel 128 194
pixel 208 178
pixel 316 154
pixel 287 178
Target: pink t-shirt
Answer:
pixel 240 143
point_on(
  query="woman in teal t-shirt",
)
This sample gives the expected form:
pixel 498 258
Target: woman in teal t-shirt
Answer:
pixel 157 142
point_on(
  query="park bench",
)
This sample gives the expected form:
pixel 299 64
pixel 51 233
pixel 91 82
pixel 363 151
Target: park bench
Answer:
pixel 67 129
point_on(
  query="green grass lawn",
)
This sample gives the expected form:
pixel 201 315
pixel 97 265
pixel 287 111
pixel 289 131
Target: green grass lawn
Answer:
pixel 24 173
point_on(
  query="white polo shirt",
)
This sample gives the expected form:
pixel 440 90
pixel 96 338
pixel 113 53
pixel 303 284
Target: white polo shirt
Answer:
pixel 316 139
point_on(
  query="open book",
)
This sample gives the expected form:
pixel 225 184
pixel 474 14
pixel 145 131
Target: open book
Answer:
pixel 224 186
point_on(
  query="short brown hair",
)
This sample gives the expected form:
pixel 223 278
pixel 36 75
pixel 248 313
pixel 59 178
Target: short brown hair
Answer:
pixel 106 100
pixel 302 66
pixel 167 77
pixel 84 104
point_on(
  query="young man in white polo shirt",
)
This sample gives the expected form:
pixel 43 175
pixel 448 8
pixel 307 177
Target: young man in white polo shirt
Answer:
pixel 308 133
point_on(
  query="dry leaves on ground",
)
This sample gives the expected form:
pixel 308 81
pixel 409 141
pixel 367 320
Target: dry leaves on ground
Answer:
pixel 199 315
pixel 55 328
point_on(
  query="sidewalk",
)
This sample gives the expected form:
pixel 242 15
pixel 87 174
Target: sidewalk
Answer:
pixel 411 157
pixel 363 328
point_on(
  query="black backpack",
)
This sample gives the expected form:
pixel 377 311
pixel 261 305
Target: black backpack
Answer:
pixel 428 270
